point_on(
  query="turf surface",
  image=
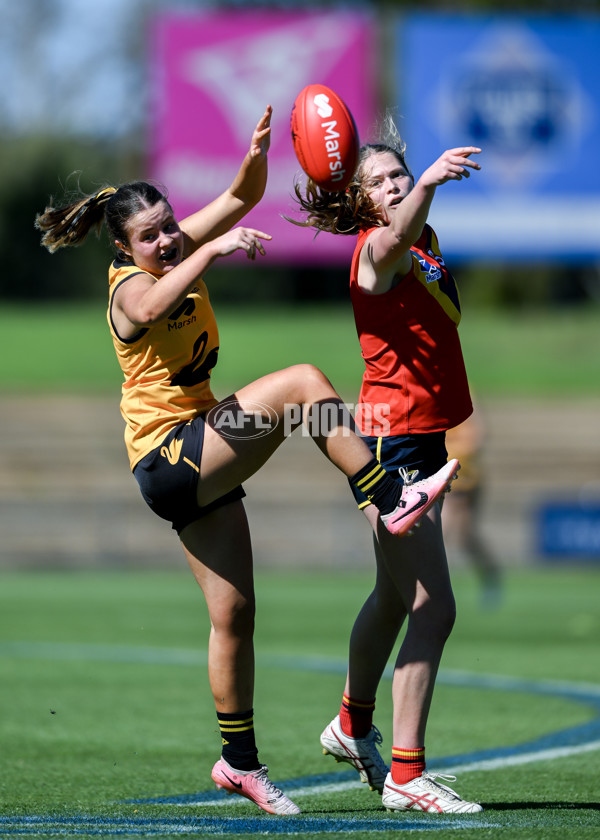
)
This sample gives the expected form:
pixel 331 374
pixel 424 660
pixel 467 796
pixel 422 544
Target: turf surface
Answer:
pixel 107 725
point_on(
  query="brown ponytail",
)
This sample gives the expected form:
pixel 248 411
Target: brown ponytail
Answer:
pixel 70 225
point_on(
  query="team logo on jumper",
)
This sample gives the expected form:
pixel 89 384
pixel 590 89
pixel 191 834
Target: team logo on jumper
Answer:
pixel 432 272
pixel 232 421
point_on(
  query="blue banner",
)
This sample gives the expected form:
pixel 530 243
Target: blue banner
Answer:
pixel 568 530
pixel 527 91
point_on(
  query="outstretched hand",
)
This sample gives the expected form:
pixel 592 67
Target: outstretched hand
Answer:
pixel 453 165
pixel 261 138
pixel 242 238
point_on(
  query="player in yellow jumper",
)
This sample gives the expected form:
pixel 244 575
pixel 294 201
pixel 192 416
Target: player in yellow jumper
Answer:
pixel 189 452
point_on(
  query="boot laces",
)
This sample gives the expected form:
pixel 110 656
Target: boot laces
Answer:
pixel 270 787
pixel 408 476
pixel 432 779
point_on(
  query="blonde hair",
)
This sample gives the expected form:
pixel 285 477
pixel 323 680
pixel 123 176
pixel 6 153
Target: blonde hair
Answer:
pixel 349 211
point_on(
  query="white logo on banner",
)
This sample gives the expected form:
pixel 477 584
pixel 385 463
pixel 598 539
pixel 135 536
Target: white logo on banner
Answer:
pixel 247 72
pixel 516 99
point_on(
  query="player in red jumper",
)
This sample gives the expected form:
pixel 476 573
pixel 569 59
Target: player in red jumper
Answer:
pixel 407 309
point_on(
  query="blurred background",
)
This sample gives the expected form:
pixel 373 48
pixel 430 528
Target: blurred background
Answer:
pixel 116 90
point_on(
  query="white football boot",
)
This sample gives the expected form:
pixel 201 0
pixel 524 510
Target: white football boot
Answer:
pixel 426 794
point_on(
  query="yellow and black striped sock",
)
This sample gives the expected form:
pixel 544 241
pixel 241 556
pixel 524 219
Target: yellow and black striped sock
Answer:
pixel 356 716
pixel 407 764
pixel 237 736
pixel 378 486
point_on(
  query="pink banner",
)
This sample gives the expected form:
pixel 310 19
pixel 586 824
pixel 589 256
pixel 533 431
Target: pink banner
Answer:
pixel 214 73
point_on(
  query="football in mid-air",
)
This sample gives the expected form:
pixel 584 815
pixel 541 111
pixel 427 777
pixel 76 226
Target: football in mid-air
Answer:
pixel 325 137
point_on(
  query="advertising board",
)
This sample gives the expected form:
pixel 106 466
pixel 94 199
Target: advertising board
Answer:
pixel 213 74
pixel 526 89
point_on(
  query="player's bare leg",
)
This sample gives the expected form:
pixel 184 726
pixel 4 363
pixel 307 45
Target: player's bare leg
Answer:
pixel 405 577
pixel 294 395
pixel 418 568
pixel 419 571
pixel 380 618
pixel 219 553
pixel 218 550
pixel 271 408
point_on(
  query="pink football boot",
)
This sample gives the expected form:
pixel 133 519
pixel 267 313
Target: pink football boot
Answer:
pixel 255 785
pixel 417 498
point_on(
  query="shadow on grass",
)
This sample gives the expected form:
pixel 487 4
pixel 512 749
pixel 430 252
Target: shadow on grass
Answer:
pixel 540 806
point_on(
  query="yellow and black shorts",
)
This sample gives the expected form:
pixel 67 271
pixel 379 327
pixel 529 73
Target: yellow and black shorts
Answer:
pixel 168 477
pixel 420 455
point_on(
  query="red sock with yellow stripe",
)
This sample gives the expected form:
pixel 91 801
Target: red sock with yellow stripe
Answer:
pixel 356 716
pixel 407 764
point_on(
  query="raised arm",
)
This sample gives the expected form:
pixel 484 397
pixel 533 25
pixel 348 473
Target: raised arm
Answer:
pixel 386 254
pixel 143 300
pixel 239 198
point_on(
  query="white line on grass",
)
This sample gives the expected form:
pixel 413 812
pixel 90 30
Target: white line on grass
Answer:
pixel 488 764
pixel 140 655
pixel 185 657
pixel 524 758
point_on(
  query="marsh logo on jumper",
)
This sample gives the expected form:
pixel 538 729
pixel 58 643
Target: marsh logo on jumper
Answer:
pixel 232 421
pixel 432 272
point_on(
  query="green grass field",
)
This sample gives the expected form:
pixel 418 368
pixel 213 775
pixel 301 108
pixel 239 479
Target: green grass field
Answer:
pixel 533 353
pixel 108 729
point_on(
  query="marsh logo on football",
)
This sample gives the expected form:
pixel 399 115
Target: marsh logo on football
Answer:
pixel 324 109
pixel 232 421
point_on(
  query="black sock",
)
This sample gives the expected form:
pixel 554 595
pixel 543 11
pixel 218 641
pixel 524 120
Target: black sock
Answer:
pixel 378 486
pixel 237 736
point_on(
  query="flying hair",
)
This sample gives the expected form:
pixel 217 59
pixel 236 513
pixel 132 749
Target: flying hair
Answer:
pixel 390 137
pixel 69 225
pixel 114 206
pixel 349 211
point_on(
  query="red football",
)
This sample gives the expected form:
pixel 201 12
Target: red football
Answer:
pixel 325 137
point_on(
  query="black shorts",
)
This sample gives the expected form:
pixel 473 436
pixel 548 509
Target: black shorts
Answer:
pixel 168 477
pixel 424 454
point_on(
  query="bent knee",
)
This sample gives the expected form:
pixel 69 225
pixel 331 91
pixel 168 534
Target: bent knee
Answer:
pixel 310 375
pixel 447 621
pixel 435 619
pixel 234 618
